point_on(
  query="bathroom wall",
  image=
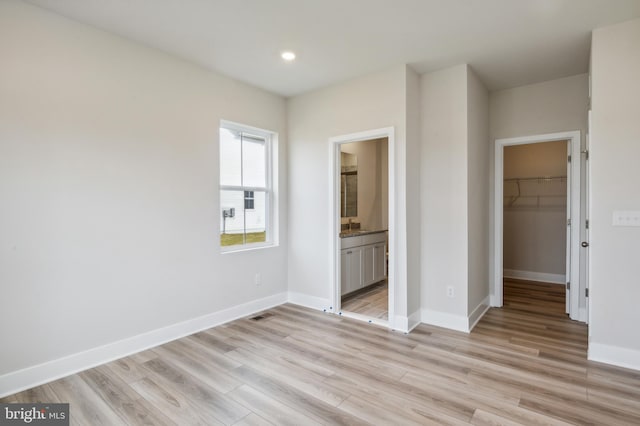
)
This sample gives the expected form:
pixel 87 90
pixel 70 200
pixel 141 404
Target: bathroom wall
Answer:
pixel 373 169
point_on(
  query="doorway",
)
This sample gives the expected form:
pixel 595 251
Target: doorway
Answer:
pixel 573 213
pixel 361 212
pixel 535 217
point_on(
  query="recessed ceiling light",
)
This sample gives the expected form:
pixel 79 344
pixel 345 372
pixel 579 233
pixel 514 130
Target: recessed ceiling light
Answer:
pixel 288 56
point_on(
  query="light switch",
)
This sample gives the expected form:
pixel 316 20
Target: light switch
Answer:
pixel 626 218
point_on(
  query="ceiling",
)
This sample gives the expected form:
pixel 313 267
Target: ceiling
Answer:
pixel 508 43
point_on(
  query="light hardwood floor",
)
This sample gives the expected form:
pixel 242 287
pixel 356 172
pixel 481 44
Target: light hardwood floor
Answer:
pixel 372 301
pixel 520 365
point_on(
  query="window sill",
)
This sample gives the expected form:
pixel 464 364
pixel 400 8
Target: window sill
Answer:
pixel 247 247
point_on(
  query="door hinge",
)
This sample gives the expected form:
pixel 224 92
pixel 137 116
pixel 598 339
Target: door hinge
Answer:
pixel 568 285
pixel 586 224
pixel 568 222
pixel 586 154
pixel 586 292
pixel 569 158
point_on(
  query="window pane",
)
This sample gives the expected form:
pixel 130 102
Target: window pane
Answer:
pixel 240 226
pixel 256 219
pixel 230 158
pixel 248 200
pixel 254 162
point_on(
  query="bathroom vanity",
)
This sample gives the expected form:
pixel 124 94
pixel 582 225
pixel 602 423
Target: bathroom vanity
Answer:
pixel 362 259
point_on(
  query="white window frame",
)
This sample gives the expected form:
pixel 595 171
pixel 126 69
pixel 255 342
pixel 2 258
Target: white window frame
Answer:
pixel 269 138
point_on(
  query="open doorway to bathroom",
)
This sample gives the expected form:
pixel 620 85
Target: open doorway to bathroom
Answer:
pixel 364 206
pixel 363 287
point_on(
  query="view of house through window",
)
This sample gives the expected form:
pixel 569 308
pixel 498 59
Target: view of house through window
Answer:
pixel 244 185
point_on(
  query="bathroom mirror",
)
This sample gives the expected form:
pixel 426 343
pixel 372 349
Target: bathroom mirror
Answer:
pixel 348 185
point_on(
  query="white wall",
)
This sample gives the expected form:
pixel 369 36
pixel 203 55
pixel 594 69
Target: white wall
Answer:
pixel 454 192
pixel 413 202
pixel 615 149
pixel 478 194
pixel 548 107
pixel 108 186
pixel 444 183
pixel 370 102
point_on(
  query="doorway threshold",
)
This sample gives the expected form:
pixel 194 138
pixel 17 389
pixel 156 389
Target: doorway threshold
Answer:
pixel 365 318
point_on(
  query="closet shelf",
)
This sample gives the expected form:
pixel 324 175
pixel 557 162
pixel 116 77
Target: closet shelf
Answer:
pixel 534 187
pixel 539 179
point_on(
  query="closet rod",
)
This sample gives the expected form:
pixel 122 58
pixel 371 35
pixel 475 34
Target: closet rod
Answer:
pixel 539 178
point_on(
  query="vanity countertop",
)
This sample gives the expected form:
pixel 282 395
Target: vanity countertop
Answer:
pixel 359 232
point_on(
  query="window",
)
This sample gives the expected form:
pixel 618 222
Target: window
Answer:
pixel 245 186
pixel 248 200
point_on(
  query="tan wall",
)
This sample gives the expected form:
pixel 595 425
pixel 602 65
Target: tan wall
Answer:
pixel 535 224
pixel 372 170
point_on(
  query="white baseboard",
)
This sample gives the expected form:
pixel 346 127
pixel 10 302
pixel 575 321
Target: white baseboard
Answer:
pixel 495 301
pixel 414 320
pixel 406 324
pixel 479 312
pixel 443 319
pixel 582 315
pixel 615 355
pixel 313 302
pixel 400 323
pixel 36 375
pixel 535 276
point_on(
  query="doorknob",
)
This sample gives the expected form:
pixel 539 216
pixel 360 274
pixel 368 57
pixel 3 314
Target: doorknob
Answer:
pixel 584 244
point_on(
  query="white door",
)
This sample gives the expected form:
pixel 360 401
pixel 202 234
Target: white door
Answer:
pixel 568 241
pixel 585 242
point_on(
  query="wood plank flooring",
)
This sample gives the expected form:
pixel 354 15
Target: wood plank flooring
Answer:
pixel 372 301
pixel 522 364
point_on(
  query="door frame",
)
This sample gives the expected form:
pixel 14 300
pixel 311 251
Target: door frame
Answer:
pixel 573 207
pixel 334 218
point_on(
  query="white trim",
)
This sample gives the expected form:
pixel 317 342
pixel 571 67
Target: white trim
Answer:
pixel 36 375
pixel 312 302
pixel 541 277
pixel 271 167
pixel 615 355
pixel 582 314
pixel 406 324
pixel 334 216
pixel 414 320
pixel 496 301
pixel 573 179
pixel 400 323
pixel 443 319
pixel 478 313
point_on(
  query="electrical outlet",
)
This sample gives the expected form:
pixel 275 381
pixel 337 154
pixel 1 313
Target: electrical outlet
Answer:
pixel 256 279
pixel 450 292
pixel 626 218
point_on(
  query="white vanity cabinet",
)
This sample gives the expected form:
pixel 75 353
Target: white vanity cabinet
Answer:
pixel 351 273
pixel 362 261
